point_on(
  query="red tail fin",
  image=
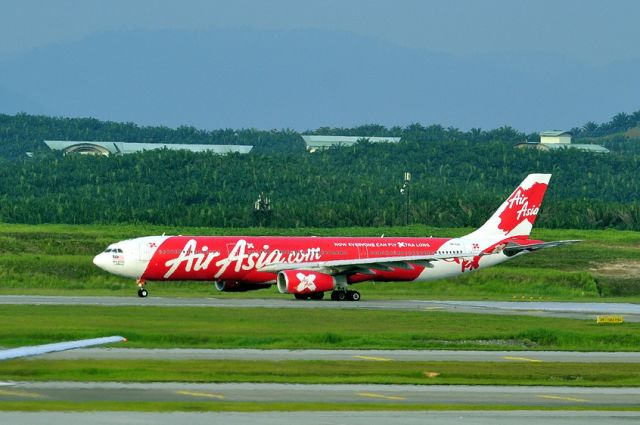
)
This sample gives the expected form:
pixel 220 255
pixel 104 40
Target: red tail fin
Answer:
pixel 516 215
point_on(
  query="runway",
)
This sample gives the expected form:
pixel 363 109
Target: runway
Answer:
pixel 631 312
pixel 324 418
pixel 456 395
pixel 346 355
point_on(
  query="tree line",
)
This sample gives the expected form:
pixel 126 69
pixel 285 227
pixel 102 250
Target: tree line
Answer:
pixel 459 178
pixel 455 183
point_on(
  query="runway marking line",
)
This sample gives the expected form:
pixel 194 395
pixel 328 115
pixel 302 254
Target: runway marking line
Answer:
pixel 432 308
pixel 18 393
pixel 377 359
pixel 197 394
pixel 386 397
pixel 522 359
pixel 557 397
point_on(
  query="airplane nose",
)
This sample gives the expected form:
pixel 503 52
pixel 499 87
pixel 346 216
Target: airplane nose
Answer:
pixel 101 260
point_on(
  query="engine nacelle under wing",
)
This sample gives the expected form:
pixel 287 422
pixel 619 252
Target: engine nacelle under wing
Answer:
pixel 235 286
pixel 304 282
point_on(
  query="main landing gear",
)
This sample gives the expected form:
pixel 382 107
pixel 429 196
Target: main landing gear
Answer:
pixel 311 296
pixel 345 296
pixel 142 292
pixel 339 295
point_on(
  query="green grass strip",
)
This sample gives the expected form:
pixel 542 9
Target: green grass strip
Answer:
pixel 327 372
pixel 175 327
pixel 187 327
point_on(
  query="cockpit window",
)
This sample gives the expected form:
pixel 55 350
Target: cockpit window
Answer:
pixel 107 250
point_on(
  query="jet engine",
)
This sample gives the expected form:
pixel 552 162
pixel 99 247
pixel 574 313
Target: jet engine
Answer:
pixel 236 286
pixel 304 282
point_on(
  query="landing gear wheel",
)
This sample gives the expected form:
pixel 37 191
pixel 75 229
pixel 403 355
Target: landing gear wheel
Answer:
pixel 316 295
pixel 339 295
pixel 142 293
pixel 353 295
pixel 300 296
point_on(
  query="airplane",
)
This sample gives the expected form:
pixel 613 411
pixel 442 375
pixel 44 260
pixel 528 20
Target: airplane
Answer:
pixel 34 350
pixel 307 267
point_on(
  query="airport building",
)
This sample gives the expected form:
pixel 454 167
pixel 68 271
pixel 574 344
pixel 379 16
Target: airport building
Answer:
pixel 121 148
pixel 555 136
pixel 315 143
pixel 557 139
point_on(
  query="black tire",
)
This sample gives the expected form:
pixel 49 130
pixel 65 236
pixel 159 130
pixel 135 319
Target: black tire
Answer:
pixel 142 293
pixel 300 296
pixel 333 295
pixel 341 295
pixel 316 295
pixel 354 296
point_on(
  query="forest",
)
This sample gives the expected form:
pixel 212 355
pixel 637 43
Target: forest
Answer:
pixel 459 178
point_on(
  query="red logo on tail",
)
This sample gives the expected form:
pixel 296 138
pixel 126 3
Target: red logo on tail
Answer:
pixel 522 205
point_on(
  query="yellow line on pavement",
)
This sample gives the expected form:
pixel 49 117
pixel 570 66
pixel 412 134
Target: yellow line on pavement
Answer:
pixel 432 308
pixel 377 359
pixel 197 394
pixel 18 393
pixel 522 359
pixel 557 397
pixel 386 397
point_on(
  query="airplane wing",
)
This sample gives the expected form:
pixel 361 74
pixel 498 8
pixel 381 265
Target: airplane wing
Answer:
pixel 15 353
pixel 364 265
pixel 513 248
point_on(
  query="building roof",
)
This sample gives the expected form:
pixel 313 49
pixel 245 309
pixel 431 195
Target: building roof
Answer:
pixel 113 148
pixel 582 147
pixel 554 133
pixel 557 146
pixel 326 141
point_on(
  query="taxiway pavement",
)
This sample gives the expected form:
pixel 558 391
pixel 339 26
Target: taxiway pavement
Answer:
pixel 630 312
pixel 450 395
pixel 325 418
pixel 346 355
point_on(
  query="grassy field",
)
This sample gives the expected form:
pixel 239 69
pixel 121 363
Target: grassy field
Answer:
pixel 56 260
pixel 182 327
pixel 326 372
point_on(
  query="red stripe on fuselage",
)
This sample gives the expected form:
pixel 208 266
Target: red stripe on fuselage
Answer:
pixel 237 258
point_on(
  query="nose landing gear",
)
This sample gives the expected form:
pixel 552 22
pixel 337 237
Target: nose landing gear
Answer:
pixel 142 292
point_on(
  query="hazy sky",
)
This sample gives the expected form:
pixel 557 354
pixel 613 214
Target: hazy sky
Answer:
pixel 595 31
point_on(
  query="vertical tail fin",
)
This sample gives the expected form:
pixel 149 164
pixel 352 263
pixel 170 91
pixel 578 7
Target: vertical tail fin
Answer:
pixel 516 215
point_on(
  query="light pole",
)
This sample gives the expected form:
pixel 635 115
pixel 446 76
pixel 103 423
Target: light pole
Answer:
pixel 262 209
pixel 404 190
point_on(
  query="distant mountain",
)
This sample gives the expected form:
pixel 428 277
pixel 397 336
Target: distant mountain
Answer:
pixel 304 80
